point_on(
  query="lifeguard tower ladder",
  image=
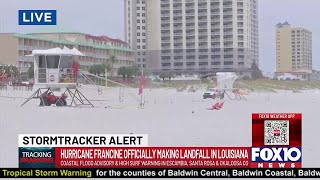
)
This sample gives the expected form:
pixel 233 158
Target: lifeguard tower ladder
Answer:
pixel 55 69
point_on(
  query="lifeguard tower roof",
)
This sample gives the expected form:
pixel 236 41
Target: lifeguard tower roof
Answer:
pixel 55 67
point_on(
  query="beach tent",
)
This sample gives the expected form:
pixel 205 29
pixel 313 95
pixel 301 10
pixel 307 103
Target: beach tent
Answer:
pixel 225 80
pixel 77 52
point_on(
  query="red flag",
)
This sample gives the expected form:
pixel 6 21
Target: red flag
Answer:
pixel 142 81
pixel 75 67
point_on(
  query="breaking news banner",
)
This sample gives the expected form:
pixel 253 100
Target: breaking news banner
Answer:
pixel 276 140
pixel 161 173
pixel 42 150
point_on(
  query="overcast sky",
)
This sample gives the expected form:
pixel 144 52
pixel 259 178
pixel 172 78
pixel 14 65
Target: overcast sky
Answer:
pixel 106 17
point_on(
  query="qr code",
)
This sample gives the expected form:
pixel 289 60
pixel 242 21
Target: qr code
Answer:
pixel 276 132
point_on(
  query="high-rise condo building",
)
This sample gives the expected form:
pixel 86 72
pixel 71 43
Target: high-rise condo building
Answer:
pixel 194 36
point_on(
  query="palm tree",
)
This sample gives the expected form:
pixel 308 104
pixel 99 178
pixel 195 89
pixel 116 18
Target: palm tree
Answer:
pixel 122 72
pixel 113 59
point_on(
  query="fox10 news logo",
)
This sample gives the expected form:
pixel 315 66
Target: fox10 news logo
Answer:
pixel 37 17
pixel 276 140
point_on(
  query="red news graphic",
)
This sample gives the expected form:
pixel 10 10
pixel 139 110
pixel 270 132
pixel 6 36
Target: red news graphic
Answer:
pixel 154 157
pixel 276 140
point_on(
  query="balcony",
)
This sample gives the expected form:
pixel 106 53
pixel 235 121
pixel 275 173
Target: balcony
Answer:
pixel 203 45
pixel 190 47
pixel 215 39
pixel 203 66
pixel 190 20
pixel 177 7
pixel 215 46
pixel 240 11
pixel 190 26
pixel 177 20
pixel 190 14
pixel 191 67
pixel 177 27
pixel 165 28
pixel 178 41
pixel 215 4
pixel 215 33
pixel 203 27
pixel 203 33
pixel 227 7
pixel 228 25
pixel 203 52
pixel 178 58
pixel 166 67
pixel 166 52
pixel 203 40
pixel 190 40
pixel 166 7
pixel 165 20
pixel 190 6
pixel 202 6
pixel 165 41
pixel 165 47
pixel 228 32
pixel 165 1
pixel 228 53
pixel 191 53
pixel 216 53
pixel 215 20
pixel 189 1
pixel 177 34
pixel 178 54
pixel 165 14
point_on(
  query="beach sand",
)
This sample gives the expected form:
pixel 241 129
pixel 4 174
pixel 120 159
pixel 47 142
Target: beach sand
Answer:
pixel 170 118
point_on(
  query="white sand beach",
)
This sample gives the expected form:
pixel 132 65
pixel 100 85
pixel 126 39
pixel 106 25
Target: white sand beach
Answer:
pixel 170 118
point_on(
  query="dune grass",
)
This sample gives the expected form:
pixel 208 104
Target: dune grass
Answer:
pixel 274 85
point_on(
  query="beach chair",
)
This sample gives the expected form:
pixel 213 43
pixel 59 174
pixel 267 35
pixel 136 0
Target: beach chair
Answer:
pixel 214 106
pixel 220 106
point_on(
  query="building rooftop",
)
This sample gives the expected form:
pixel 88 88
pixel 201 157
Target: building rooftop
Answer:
pixel 59 30
pixel 77 42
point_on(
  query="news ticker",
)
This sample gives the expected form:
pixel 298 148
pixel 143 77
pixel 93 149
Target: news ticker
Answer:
pixel 160 173
pixel 160 157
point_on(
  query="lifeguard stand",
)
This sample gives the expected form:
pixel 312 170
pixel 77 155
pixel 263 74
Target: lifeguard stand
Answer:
pixel 54 69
